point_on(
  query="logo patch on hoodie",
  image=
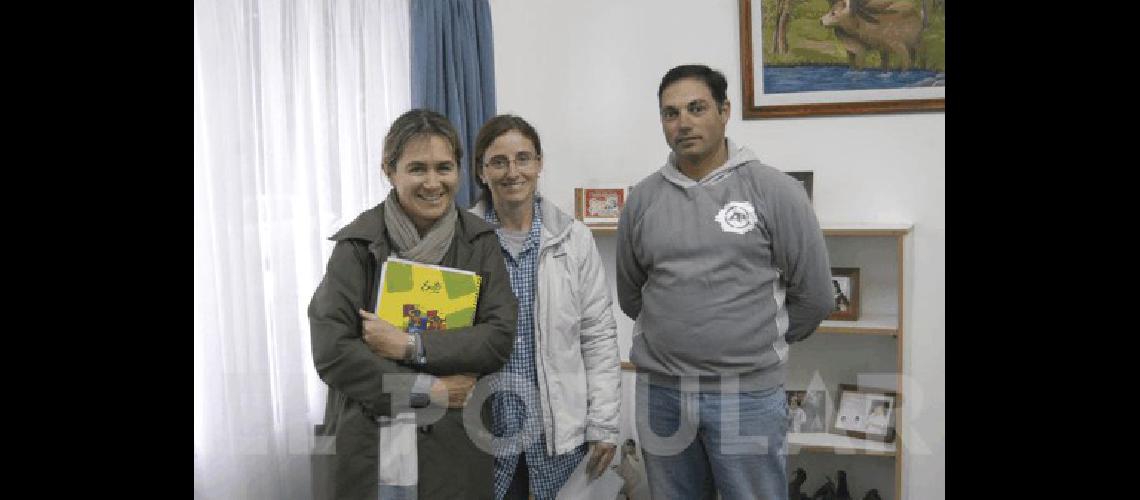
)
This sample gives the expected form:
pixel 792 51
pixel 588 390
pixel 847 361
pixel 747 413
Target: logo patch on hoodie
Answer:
pixel 737 217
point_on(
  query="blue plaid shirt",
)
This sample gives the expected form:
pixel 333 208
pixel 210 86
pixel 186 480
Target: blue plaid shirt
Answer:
pixel 516 410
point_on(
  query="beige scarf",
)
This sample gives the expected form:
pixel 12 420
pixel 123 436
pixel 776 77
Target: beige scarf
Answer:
pixel 429 249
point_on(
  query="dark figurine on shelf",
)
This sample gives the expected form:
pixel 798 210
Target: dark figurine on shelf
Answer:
pixel 842 493
pixel 872 495
pixel 797 482
pixel 825 492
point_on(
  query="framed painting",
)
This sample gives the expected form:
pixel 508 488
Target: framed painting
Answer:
pixel 842 57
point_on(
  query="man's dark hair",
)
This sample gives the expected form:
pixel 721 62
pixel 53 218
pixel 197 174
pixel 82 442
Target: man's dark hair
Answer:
pixel 713 79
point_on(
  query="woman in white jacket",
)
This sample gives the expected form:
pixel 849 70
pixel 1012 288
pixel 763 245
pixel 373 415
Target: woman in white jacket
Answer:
pixel 559 395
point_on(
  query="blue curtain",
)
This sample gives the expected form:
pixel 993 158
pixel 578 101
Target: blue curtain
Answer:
pixel 453 71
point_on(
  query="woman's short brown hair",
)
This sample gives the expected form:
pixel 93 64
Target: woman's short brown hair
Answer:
pixel 413 123
pixel 490 131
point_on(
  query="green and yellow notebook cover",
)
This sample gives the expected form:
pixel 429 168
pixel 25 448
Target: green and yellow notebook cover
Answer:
pixel 425 296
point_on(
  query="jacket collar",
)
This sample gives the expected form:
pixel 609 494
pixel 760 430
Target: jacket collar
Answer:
pixel 555 223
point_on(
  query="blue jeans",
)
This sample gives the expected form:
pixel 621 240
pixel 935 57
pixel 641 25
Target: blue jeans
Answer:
pixel 694 442
pixel 391 492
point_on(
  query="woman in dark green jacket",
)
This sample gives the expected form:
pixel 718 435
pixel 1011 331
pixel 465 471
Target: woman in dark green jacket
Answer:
pixel 378 375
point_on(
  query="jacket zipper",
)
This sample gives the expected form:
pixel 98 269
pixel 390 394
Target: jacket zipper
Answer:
pixel 540 352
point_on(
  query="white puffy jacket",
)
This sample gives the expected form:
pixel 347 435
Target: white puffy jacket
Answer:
pixel 576 351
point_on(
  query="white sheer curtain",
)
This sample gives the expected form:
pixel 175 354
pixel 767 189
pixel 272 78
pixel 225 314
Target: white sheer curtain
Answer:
pixel 291 103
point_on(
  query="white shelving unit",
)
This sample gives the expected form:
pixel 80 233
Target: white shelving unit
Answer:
pixel 849 351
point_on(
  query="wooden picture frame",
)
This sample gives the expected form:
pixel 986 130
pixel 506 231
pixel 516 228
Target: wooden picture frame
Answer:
pixel 805 178
pixel 599 207
pixel 866 413
pixel 845 283
pixel 791 65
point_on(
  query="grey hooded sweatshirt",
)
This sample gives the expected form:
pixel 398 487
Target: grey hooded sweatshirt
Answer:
pixel 721 274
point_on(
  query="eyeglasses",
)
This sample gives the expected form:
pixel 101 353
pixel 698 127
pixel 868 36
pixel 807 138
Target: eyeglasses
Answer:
pixel 524 161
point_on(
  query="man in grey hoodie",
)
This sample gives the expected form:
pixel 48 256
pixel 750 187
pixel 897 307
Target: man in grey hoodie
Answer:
pixel 721 262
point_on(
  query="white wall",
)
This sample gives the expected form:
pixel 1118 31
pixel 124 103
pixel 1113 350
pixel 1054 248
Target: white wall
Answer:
pixel 585 73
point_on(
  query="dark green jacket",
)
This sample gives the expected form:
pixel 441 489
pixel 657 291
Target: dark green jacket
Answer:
pixel 450 464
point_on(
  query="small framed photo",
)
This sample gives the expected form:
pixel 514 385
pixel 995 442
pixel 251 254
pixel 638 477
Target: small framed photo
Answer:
pixel 866 413
pixel 845 289
pixel 599 207
pixel 804 176
pixel 807 411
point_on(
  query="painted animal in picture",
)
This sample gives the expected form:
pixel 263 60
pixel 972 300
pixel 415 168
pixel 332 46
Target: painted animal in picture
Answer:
pixel 891 27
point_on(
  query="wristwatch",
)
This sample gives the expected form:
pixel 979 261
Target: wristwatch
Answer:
pixel 410 348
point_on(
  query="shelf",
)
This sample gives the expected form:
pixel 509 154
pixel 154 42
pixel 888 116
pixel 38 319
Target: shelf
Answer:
pixel 869 325
pixel 822 442
pixel 603 229
pixel 845 229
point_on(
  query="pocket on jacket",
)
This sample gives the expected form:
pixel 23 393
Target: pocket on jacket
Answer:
pixel 573 393
pixel 563 310
pixel 567 276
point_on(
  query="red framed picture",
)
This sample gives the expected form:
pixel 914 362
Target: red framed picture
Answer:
pixel 599 207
